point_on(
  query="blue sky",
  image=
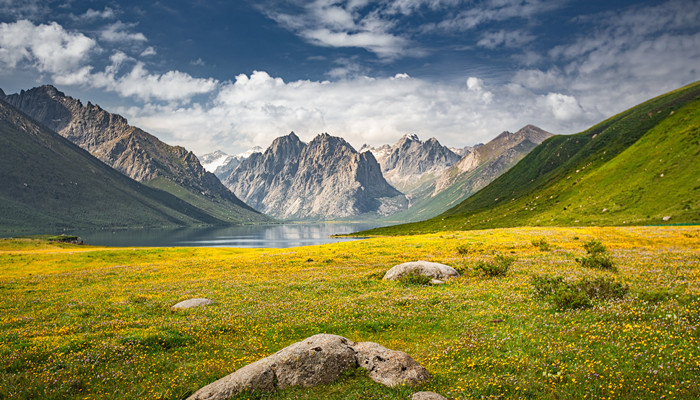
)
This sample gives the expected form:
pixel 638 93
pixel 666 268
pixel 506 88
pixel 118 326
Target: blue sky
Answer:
pixel 233 74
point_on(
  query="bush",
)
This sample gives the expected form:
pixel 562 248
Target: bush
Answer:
pixel 572 295
pixel 499 267
pixel 415 279
pixel 598 256
pixel 542 244
pixel 569 298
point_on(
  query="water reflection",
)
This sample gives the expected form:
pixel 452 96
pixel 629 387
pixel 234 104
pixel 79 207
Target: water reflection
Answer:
pixel 274 236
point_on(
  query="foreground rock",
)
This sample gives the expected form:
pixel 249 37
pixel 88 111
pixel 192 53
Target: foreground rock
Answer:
pixel 427 396
pixel 433 270
pixel 192 303
pixel 389 367
pixel 317 360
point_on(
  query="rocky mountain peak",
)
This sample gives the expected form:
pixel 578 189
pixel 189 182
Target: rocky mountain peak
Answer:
pixel 325 178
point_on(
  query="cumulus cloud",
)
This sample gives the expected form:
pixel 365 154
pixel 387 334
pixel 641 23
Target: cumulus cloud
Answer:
pixel 48 48
pixel 563 107
pixel 256 108
pixel 66 57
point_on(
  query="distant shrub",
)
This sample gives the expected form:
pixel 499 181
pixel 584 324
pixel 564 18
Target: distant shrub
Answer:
pixel 415 279
pixel 574 295
pixel 542 244
pixel 499 267
pixel 598 256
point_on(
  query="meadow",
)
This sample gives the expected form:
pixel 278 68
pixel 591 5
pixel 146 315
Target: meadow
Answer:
pixel 96 323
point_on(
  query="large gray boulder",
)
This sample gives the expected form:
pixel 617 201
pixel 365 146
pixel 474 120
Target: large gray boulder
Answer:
pixel 431 269
pixel 316 360
pixel 389 367
pixel 192 303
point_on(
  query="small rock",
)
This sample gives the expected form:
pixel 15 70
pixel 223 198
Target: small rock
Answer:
pixel 436 282
pixel 666 218
pixel 192 303
pixel 389 367
pixel 431 269
pixel 427 396
pixel 605 209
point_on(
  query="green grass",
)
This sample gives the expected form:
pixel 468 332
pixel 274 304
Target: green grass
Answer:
pixel 87 322
pixel 635 168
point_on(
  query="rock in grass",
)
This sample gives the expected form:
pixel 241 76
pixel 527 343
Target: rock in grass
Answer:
pixel 433 270
pixel 192 303
pixel 427 396
pixel 389 367
pixel 316 360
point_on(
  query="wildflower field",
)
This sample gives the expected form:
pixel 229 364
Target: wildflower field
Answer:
pixel 96 323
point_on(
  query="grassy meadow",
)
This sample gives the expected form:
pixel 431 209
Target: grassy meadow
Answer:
pixel 95 323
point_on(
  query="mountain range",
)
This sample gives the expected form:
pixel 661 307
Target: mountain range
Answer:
pixel 323 179
pixel 641 166
pixel 133 152
pixel 49 184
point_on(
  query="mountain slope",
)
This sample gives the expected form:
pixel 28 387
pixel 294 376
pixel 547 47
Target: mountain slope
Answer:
pixel 132 151
pixel 48 184
pixel 324 179
pixel 641 166
pixel 473 172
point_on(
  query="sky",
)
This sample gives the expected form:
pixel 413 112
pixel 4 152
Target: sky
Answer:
pixel 230 75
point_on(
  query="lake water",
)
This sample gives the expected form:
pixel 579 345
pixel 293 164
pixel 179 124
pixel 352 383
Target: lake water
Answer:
pixel 274 236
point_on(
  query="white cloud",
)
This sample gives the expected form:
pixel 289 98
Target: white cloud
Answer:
pixel 563 107
pixel 332 23
pixel 491 40
pixel 475 14
pixel 255 109
pixel 626 58
pixel 119 32
pixel 48 48
pixel 148 51
pixel 90 14
pixel 66 57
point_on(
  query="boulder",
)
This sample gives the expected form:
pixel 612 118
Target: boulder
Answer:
pixel 433 270
pixel 316 360
pixel 192 303
pixel 427 396
pixel 389 367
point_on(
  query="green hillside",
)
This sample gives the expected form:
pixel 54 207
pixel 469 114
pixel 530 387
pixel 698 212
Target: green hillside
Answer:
pixel 639 167
pixel 48 184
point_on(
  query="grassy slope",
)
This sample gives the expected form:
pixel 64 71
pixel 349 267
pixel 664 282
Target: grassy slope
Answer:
pixel 66 187
pixel 229 210
pixel 86 322
pixel 616 165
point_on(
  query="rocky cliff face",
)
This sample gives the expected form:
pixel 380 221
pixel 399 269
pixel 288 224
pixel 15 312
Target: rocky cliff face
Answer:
pixel 323 179
pixel 411 164
pixel 493 158
pixel 129 149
